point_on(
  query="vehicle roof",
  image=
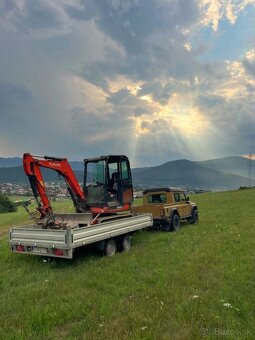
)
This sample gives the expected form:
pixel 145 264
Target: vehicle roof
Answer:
pixel 112 158
pixel 168 189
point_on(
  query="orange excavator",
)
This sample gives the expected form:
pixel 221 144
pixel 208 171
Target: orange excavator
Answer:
pixel 107 187
pixel 103 214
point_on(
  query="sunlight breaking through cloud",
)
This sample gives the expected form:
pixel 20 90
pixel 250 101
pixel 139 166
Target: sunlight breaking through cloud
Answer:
pixel 173 78
pixel 216 10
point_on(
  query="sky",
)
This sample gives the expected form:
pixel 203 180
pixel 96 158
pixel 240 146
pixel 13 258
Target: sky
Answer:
pixel 156 80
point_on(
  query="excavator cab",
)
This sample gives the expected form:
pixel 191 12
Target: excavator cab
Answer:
pixel 108 183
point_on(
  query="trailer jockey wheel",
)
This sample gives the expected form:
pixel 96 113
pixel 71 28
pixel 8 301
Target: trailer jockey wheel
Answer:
pixel 126 243
pixel 110 247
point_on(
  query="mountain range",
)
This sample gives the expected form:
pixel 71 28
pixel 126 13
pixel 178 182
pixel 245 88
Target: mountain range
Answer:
pixel 216 174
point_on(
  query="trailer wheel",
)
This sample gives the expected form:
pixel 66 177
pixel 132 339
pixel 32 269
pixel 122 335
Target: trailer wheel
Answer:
pixel 125 243
pixel 110 247
pixel 175 224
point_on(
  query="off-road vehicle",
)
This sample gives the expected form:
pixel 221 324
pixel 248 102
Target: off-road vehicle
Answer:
pixel 168 206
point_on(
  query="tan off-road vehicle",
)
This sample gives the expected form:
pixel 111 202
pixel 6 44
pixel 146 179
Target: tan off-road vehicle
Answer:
pixel 168 206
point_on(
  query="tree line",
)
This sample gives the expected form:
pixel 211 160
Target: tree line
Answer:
pixel 6 205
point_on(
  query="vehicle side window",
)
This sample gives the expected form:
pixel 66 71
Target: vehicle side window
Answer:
pixel 177 197
pixel 113 168
pixel 163 198
pixel 183 197
pixel 157 198
pixel 96 172
pixel 124 170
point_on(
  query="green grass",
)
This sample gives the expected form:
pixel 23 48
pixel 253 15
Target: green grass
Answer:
pixel 170 285
pixel 21 217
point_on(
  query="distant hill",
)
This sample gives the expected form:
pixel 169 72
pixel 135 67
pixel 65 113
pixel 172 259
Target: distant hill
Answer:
pixel 10 162
pixel 138 170
pixel 188 174
pixel 230 165
pixel 76 165
pixel 17 161
pixel 217 174
pixel 17 175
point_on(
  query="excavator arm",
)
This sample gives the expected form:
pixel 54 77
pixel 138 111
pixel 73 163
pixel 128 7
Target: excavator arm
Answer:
pixel 32 165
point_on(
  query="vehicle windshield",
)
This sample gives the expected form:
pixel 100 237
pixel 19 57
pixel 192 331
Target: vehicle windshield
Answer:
pixel 95 182
pixel 96 173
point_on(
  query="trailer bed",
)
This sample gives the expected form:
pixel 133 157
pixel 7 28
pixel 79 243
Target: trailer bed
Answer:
pixel 34 240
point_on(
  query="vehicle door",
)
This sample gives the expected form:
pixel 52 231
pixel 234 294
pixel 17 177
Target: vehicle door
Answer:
pixel 185 204
pixel 126 182
pixel 179 204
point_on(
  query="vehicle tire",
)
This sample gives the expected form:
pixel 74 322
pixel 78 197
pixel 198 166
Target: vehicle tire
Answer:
pixel 194 217
pixel 110 247
pixel 175 224
pixel 125 243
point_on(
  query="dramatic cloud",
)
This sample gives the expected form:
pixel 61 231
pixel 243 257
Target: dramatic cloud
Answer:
pixel 154 79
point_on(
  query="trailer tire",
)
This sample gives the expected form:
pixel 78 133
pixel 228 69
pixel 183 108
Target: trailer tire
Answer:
pixel 175 224
pixel 110 247
pixel 125 243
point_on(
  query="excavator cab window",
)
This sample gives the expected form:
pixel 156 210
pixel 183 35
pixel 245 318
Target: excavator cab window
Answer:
pixel 96 173
pixel 107 181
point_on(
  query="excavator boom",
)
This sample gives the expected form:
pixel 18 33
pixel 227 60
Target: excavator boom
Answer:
pixel 32 164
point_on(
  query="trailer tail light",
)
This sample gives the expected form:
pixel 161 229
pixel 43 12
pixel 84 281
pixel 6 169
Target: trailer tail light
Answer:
pixel 162 213
pixel 58 252
pixel 20 248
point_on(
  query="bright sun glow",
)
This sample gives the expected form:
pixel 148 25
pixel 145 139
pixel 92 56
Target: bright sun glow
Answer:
pixel 122 82
pixel 250 156
pixel 178 117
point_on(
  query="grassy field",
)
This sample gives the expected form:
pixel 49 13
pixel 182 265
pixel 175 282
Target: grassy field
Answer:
pixel 197 282
pixel 21 217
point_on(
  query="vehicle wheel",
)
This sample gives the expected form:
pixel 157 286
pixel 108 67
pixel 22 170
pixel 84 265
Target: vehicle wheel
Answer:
pixel 194 217
pixel 125 243
pixel 110 247
pixel 175 224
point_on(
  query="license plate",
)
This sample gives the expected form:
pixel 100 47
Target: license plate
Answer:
pixel 40 250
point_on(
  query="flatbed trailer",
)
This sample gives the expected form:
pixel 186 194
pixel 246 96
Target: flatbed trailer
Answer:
pixel 108 236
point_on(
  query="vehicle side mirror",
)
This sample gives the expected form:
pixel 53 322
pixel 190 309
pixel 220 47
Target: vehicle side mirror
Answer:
pixel 187 198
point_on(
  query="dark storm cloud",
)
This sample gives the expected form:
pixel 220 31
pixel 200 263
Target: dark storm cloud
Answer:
pixel 124 98
pixel 13 100
pixel 18 122
pixel 99 72
pixel 12 95
pixel 39 18
pixel 250 89
pixel 40 15
pixel 101 131
pixel 139 111
pixel 151 34
pixel 121 97
pixel 129 104
pixel 132 22
pixel 250 66
pixel 49 48
pixel 160 93
pixel 8 5
pixel 232 120
pixel 92 123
